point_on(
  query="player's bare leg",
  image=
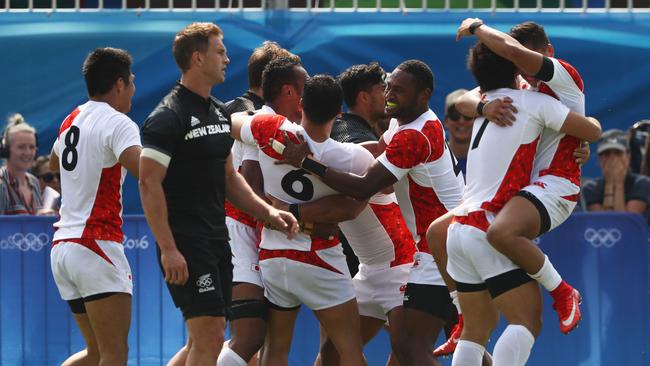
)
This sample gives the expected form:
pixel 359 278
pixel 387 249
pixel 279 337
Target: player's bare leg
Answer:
pixel 90 355
pixel 279 333
pixel 420 331
pixel 511 234
pixel 206 334
pixel 437 240
pixel 522 309
pixel 110 319
pixel 370 327
pixel 248 332
pixel 180 357
pixel 342 324
pixel 481 317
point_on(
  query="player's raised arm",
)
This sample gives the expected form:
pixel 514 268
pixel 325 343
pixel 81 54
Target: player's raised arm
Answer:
pixel 528 61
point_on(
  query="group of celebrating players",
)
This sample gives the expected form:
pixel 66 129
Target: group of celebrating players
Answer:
pixel 247 201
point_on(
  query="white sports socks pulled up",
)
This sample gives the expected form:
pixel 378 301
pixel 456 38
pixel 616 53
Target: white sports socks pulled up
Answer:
pixel 513 347
pixel 547 276
pixel 468 354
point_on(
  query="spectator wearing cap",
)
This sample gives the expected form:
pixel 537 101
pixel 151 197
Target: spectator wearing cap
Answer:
pixel 618 189
pixel 459 127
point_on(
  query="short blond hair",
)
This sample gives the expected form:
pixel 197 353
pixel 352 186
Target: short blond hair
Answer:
pixel 261 57
pixel 193 38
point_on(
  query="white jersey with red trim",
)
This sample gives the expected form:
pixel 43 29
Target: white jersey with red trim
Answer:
pixel 509 150
pixel 554 162
pixel 239 153
pixel 379 235
pixel 293 185
pixel 428 181
pixel 90 142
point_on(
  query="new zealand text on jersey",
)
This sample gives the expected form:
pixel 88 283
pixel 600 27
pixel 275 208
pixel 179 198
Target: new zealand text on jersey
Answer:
pixel 207 130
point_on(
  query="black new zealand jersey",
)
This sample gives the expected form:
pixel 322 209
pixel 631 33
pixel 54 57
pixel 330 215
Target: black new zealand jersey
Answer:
pixel 352 128
pixel 248 102
pixel 195 133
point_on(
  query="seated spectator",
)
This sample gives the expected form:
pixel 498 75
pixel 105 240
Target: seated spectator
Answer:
pixel 50 184
pixel 46 177
pixel 618 189
pixel 459 128
pixel 20 192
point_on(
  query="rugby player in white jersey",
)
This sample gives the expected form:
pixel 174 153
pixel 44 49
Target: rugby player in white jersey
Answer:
pixel 281 79
pixel 97 144
pixel 553 192
pixel 554 189
pixel 378 235
pixel 416 160
pixel 500 164
pixel 307 269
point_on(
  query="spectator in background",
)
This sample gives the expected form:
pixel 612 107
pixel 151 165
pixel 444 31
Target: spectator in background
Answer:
pixel 459 127
pixel 50 184
pixel 618 189
pixel 46 177
pixel 639 144
pixel 20 193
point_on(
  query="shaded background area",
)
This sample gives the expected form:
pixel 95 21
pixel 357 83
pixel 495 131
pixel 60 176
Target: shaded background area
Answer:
pixel 43 54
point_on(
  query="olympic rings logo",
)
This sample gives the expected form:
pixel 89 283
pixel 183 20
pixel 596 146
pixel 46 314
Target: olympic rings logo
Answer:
pixel 204 281
pixel 605 237
pixel 136 243
pixel 25 242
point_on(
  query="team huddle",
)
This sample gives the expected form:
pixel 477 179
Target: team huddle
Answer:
pixel 250 201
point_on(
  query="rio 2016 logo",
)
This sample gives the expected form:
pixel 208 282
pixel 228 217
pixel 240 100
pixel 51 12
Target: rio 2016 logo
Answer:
pixel 130 243
pixel 37 241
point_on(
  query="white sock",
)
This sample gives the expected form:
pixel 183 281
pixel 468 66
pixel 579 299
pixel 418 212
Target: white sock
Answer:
pixel 468 354
pixel 454 300
pixel 228 357
pixel 513 347
pixel 547 276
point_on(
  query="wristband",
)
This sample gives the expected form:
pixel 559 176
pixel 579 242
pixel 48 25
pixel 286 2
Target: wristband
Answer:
pixel 472 28
pixel 294 208
pixel 314 166
pixel 479 108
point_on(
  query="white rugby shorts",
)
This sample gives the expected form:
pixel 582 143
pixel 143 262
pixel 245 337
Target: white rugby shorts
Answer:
pixel 319 279
pixel 380 290
pixel 81 271
pixel 245 255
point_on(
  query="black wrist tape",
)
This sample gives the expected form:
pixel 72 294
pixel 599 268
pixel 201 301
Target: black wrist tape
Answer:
pixel 314 166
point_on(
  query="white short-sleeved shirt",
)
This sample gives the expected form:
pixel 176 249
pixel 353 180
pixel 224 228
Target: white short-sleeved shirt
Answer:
pixel 555 163
pixel 428 181
pixel 296 185
pixel 379 236
pixel 509 150
pixel 90 142
pixel 239 153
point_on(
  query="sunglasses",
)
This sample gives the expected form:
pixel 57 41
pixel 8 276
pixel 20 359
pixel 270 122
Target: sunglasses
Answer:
pixel 452 113
pixel 48 177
